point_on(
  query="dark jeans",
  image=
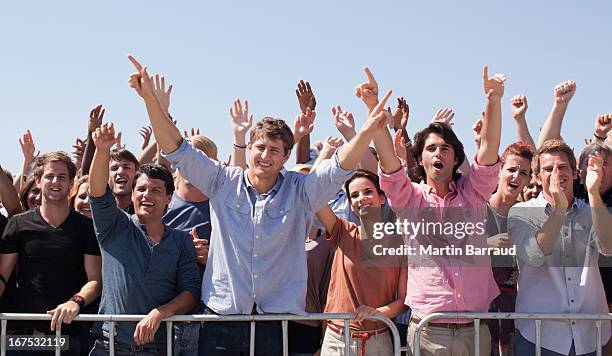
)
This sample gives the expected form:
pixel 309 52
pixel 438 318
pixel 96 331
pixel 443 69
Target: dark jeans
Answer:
pixel 101 348
pixel 523 347
pixel 232 338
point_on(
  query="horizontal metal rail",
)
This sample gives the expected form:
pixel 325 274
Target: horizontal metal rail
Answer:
pixel 538 317
pixel 284 318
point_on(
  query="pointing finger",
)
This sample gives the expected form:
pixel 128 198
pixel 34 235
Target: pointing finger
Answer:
pixel 135 63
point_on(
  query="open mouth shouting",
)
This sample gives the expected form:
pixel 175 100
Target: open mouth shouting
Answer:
pixel 438 165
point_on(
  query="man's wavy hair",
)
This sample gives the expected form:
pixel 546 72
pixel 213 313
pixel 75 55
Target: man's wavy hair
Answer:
pixel 446 132
pixel 275 129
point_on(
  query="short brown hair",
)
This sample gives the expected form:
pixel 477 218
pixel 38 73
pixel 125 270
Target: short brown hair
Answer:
pixel 275 129
pixel 124 155
pixel 520 149
pixel 553 146
pixel 60 156
pixel 205 145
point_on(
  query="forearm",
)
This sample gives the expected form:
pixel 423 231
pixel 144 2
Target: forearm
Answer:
pixel 369 162
pixel 602 220
pixel 522 131
pixel 238 158
pixel 552 126
pixel 352 152
pixel 181 304
pixel 148 154
pixel 387 159
pixel 90 291
pixel 323 155
pixel 549 234
pixel 90 148
pixel 166 133
pixel 98 174
pixel 302 150
pixel 491 133
pixel 394 309
pixel 8 195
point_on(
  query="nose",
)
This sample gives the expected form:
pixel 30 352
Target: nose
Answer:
pixel 265 153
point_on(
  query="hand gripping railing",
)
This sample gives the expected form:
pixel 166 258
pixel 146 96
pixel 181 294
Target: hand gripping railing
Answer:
pixel 284 318
pixel 538 317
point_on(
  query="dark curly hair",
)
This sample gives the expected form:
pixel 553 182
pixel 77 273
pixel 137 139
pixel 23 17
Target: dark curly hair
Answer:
pixel 446 132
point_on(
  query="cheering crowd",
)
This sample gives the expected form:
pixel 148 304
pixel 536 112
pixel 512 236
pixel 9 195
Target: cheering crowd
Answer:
pixel 173 230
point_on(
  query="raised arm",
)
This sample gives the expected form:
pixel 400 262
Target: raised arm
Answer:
pixel 330 146
pixel 95 120
pixel 104 138
pixel 519 108
pixel 603 124
pixel 166 133
pixel 241 123
pixel 563 92
pixel 602 220
pixel 28 148
pixel 351 153
pixel 345 123
pixel 149 149
pixel 8 195
pixel 490 136
pixel 306 99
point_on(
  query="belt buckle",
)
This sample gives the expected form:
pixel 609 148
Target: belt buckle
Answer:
pixel 136 348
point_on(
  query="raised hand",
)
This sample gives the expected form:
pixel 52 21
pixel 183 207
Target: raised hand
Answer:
pixel 332 143
pixel 241 119
pixel 201 247
pixel 303 125
pixel 565 91
pixel 400 115
pixel 305 96
pixel 141 82
pixel 560 201
pixel 104 137
pixel 79 149
pixel 400 145
pixel 445 115
pixel 368 91
pixel 476 129
pixel 594 174
pixel 378 116
pixel 119 146
pixel 493 86
pixel 145 132
pixel 95 118
pixel 345 123
pixel 603 124
pixel 519 106
pixel 162 94
pixel 28 148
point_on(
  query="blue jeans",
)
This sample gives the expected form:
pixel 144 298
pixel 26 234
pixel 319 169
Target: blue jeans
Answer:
pixel 232 338
pixel 524 347
pixel 186 337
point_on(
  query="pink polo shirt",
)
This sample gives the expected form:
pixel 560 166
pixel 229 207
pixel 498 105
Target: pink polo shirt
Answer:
pixel 446 283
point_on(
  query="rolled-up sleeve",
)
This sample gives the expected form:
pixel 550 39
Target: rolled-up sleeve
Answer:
pixel 204 173
pixel 522 233
pixel 321 185
pixel 482 180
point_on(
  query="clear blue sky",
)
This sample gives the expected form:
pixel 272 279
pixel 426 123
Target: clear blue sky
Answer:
pixel 61 58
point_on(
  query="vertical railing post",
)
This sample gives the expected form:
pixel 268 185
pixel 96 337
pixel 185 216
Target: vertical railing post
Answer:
pixel 477 337
pixel 58 347
pixel 169 338
pixel 538 326
pixel 111 338
pixel 285 325
pixel 3 334
pixel 598 326
pixel 347 336
pixel 252 344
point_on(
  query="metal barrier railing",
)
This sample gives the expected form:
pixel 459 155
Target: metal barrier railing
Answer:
pixel 538 317
pixel 284 318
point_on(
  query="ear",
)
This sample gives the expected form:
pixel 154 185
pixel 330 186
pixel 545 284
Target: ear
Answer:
pixel 286 156
pixel 168 199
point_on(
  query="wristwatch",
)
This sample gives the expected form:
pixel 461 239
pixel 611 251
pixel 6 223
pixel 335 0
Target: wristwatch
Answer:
pixel 79 300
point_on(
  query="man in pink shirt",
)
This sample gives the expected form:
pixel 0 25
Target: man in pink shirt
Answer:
pixel 446 282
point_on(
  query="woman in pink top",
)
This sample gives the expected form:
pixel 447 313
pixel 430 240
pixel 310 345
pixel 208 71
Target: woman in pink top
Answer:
pixel 362 282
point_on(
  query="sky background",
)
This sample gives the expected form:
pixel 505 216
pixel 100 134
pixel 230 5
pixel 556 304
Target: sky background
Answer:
pixel 59 59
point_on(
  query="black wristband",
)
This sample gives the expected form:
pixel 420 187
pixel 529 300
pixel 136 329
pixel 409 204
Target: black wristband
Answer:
pixel 597 137
pixel 242 147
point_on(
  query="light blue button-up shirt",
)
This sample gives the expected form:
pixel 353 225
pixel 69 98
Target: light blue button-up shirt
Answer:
pixel 257 251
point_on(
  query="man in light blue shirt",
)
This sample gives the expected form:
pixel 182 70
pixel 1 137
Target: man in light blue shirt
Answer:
pixel 260 219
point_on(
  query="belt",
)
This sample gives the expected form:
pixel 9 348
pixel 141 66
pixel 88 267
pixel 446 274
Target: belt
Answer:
pixel 357 334
pixel 130 347
pixel 452 326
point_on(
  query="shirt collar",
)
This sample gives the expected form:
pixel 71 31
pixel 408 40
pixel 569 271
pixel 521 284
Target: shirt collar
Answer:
pixel 274 189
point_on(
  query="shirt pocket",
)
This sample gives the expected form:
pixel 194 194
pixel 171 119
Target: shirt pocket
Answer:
pixel 278 215
pixel 237 214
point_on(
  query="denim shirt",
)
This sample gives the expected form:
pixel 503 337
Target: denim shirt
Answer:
pixel 138 277
pixel 257 253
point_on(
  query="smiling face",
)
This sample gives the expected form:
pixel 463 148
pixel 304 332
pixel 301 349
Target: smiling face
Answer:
pixel 81 200
pixel 267 157
pixel 532 190
pixel 55 182
pixel 438 158
pixel 150 198
pixel 121 177
pixel 34 197
pixel 514 176
pixel 566 174
pixel 363 194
